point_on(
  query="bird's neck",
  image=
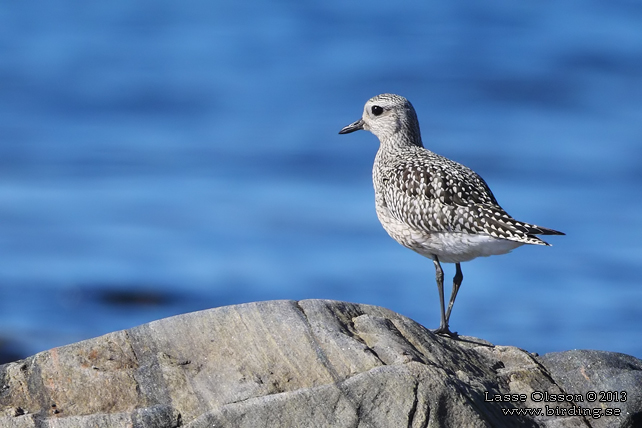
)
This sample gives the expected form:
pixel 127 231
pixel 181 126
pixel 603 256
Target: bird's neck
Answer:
pixel 402 140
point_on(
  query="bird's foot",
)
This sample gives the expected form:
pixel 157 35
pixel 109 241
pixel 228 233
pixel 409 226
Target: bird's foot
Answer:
pixel 445 331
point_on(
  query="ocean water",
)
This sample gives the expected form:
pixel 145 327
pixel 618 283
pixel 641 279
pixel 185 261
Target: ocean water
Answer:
pixel 160 158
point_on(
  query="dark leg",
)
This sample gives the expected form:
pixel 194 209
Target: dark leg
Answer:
pixel 439 276
pixel 459 277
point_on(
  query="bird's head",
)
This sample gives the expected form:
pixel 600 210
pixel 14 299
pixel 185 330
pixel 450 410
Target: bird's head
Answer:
pixel 388 116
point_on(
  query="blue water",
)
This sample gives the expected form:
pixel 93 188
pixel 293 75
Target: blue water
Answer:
pixel 163 157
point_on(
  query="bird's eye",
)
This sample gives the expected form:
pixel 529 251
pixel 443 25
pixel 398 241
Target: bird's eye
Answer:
pixel 376 110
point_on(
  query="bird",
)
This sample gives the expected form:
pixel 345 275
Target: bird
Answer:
pixel 432 205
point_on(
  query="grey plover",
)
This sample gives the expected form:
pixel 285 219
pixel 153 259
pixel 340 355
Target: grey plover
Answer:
pixel 433 205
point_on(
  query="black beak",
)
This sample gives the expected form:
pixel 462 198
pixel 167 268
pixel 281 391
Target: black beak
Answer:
pixel 356 126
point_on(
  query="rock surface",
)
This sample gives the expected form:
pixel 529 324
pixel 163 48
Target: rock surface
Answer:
pixel 614 380
pixel 312 363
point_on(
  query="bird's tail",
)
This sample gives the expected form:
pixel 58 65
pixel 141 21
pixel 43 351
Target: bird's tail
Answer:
pixel 533 230
pixel 538 230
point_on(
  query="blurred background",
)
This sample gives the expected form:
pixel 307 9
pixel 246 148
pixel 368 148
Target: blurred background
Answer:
pixel 163 157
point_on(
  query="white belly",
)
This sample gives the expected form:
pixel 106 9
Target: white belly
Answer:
pixel 461 247
pixel 449 247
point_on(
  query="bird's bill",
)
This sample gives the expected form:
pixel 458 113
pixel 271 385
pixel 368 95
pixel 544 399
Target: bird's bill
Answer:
pixel 356 126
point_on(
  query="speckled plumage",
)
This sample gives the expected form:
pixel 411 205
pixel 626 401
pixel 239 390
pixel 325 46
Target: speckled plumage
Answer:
pixel 433 205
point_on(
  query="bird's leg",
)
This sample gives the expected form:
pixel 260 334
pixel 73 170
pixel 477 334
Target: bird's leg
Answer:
pixel 459 277
pixel 439 276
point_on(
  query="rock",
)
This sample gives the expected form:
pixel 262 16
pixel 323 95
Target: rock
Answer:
pixel 313 363
pixel 605 380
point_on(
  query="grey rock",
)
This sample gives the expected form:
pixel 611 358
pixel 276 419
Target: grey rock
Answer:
pixel 313 363
pixel 604 380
